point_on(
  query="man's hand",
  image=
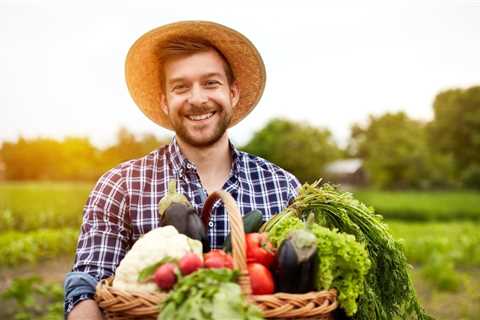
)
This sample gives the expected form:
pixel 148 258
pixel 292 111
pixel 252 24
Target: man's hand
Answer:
pixel 86 309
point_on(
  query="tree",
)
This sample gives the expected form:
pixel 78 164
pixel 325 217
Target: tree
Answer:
pixel 297 147
pixel 455 131
pixel 128 146
pixel 396 152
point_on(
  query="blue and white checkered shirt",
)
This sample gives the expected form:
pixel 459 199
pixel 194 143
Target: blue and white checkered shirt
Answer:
pixel 124 203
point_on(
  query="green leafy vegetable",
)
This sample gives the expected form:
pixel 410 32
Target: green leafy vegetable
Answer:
pixel 342 262
pixel 208 294
pixel 389 292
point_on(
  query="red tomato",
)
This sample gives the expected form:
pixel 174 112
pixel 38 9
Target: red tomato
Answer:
pixel 261 279
pixel 259 249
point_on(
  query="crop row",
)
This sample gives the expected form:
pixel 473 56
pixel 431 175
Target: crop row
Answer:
pixel 18 248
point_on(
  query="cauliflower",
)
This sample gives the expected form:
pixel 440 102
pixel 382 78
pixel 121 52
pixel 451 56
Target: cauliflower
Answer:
pixel 149 249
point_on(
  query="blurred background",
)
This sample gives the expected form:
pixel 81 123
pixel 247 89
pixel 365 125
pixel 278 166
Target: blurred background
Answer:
pixel 380 98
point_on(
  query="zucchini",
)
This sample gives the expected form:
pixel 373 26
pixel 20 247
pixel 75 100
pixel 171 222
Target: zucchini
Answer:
pixel 252 222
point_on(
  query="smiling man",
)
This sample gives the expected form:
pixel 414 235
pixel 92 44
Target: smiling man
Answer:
pixel 196 78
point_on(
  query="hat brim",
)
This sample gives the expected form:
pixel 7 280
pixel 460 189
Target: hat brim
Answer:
pixel 142 66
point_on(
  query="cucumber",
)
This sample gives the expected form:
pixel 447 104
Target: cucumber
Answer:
pixel 252 222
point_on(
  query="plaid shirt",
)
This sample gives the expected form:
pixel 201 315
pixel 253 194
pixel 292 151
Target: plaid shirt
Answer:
pixel 124 203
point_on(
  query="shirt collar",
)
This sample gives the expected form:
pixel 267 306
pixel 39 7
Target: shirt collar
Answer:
pixel 181 164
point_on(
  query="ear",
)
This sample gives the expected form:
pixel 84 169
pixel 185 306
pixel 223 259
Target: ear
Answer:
pixel 234 93
pixel 163 104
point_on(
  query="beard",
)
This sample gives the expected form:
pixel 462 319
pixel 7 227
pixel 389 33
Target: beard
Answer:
pixel 198 136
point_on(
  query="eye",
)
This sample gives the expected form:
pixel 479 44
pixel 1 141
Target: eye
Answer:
pixel 179 88
pixel 212 83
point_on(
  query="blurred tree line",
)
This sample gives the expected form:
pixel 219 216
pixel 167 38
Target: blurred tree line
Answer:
pixel 73 159
pixel 397 151
pixel 400 152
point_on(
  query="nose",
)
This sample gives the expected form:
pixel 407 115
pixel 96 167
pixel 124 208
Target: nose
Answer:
pixel 197 96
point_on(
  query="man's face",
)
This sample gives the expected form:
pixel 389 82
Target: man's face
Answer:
pixel 198 98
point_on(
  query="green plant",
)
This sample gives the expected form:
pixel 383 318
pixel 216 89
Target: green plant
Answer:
pixel 35 299
pixel 31 247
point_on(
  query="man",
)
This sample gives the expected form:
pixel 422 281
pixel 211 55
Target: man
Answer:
pixel 198 79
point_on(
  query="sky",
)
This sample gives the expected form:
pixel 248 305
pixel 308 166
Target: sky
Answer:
pixel 329 63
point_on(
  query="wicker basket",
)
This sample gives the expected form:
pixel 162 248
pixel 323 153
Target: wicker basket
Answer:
pixel 119 304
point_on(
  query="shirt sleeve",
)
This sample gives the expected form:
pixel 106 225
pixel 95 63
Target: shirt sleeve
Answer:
pixel 105 233
pixel 78 286
pixel 293 186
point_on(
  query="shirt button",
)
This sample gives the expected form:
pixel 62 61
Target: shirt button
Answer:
pixel 189 166
pixel 210 224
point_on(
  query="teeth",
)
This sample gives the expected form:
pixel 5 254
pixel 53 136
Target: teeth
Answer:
pixel 200 116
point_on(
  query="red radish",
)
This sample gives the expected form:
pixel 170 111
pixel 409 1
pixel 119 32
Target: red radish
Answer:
pixel 219 258
pixel 228 261
pixel 215 263
pixel 165 276
pixel 190 263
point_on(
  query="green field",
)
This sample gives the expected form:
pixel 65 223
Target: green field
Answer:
pixel 424 206
pixel 32 206
pixel 39 223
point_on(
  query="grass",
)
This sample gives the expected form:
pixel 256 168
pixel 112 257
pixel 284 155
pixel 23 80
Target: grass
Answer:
pixel 424 206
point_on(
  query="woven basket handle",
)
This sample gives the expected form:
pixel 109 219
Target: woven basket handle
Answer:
pixel 237 234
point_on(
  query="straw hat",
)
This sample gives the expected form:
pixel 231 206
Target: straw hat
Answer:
pixel 142 67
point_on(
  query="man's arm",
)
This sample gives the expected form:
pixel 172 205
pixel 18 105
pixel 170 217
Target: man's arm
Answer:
pixel 103 242
pixel 86 309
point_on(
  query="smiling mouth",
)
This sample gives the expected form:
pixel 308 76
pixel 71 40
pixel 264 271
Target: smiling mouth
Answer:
pixel 200 117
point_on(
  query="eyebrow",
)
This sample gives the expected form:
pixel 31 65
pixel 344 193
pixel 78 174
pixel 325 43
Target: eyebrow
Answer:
pixel 180 79
pixel 208 75
pixel 212 74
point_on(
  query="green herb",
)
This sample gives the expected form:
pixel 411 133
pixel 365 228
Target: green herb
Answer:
pixel 208 294
pixel 389 292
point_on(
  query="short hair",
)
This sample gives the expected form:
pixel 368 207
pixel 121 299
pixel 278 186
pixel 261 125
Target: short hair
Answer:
pixel 186 46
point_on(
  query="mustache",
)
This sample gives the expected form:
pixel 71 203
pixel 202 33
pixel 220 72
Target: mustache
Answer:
pixel 199 109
